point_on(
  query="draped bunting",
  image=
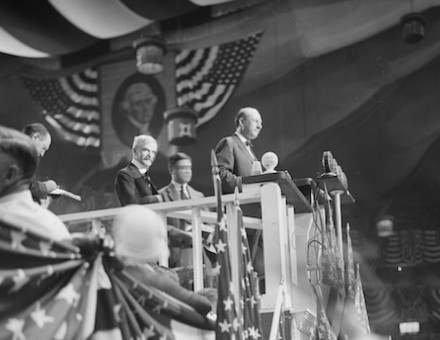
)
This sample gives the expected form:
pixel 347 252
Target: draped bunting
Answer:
pixel 44 25
pixel 52 290
pixel 70 104
pixel 388 305
pixel 206 78
pixel 412 247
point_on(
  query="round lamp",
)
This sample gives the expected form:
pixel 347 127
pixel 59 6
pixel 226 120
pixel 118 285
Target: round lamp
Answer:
pixel 413 28
pixel 150 52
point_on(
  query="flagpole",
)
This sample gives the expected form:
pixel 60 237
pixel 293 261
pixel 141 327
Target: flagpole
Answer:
pixel 234 239
pixel 338 219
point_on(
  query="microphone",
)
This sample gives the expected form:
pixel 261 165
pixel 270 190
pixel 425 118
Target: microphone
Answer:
pixel 269 161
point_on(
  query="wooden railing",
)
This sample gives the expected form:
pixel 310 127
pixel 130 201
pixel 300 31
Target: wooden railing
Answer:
pixel 283 230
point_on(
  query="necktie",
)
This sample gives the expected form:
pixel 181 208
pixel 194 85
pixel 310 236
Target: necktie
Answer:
pixel 183 194
pixel 150 184
pixel 249 146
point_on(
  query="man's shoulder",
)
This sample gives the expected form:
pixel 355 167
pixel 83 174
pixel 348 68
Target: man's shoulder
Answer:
pixel 165 189
pixel 128 169
pixel 228 140
pixel 231 138
pixel 194 192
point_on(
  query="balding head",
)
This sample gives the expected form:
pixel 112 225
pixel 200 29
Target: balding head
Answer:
pixel 40 136
pixel 18 160
pixel 248 122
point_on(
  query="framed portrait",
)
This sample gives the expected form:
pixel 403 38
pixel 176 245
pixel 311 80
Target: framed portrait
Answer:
pixel 134 103
pixel 138 107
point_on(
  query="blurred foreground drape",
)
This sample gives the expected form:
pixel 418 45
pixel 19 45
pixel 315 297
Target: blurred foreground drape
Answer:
pixel 57 290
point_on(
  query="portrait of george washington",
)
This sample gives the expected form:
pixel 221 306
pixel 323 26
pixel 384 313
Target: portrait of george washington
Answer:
pixel 138 107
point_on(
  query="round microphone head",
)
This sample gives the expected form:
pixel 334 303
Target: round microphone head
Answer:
pixel 269 161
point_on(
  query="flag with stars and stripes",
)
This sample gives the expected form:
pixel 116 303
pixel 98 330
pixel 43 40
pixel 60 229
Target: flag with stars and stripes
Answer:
pixel 206 78
pixel 333 271
pixel 250 295
pixel 69 290
pixel 70 105
pixel 228 325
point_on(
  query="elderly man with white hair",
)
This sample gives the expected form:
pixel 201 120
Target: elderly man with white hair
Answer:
pixel 133 184
pixel 140 242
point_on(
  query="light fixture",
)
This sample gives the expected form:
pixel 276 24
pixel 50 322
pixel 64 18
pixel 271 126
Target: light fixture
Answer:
pixel 150 52
pixel 413 28
pixel 385 225
pixel 181 125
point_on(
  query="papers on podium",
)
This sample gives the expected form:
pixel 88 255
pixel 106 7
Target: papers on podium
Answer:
pixel 62 192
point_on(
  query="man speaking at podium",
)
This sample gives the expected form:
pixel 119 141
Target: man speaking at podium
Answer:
pixel 234 153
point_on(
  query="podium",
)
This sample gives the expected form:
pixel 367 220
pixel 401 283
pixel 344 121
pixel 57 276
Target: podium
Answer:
pixel 287 217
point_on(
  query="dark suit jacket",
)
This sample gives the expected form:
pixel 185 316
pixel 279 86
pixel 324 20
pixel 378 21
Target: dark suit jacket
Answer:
pixel 234 162
pixel 170 193
pixel 132 187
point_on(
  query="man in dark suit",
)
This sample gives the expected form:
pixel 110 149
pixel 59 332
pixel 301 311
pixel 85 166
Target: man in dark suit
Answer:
pixel 235 159
pixel 41 138
pixel 133 184
pixel 234 153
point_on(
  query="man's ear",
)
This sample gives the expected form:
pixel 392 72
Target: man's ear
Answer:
pixel 12 175
pixel 13 172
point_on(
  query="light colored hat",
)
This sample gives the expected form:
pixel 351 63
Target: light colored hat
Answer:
pixel 140 235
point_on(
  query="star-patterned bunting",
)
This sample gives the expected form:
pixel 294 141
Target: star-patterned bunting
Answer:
pixel 55 292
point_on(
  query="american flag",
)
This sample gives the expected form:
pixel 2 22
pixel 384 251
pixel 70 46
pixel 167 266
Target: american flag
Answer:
pixel 250 296
pixel 228 325
pixel 206 78
pixel 333 271
pixel 332 262
pixel 50 290
pixel 70 105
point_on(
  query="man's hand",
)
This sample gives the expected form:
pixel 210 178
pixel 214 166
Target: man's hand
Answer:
pixel 50 186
